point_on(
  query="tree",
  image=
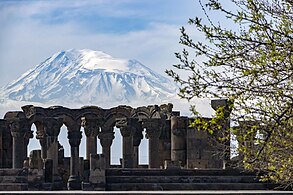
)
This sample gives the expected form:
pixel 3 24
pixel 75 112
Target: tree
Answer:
pixel 249 61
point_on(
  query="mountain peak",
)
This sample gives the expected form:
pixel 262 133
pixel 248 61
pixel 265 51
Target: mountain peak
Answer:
pixel 91 60
pixel 90 77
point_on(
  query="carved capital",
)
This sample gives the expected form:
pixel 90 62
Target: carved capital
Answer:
pixel 137 136
pixel 19 127
pixel 29 111
pixel 28 135
pixel 17 134
pixel 127 126
pixel 40 134
pixel 91 126
pixel 167 110
pixel 52 126
pixel 125 131
pixel 121 122
pixel 106 138
pixel 74 138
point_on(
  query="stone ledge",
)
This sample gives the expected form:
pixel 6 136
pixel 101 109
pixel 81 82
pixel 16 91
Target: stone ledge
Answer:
pixel 13 186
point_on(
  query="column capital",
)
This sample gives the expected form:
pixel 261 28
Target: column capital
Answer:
pixel 74 138
pixel 91 126
pixel 125 131
pixel 52 126
pixel 106 138
pixel 19 127
pixel 28 134
pixel 137 136
pixel 126 125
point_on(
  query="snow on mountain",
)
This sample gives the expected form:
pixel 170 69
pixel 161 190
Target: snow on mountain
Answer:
pixel 87 77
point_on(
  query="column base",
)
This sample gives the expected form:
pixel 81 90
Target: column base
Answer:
pixel 57 182
pixel 74 183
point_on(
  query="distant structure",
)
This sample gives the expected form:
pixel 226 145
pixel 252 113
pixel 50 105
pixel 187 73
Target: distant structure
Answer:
pixel 180 157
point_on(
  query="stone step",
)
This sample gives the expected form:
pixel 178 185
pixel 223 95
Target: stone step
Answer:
pixel 181 179
pixel 13 186
pixel 4 172
pixel 186 186
pixel 13 179
pixel 177 172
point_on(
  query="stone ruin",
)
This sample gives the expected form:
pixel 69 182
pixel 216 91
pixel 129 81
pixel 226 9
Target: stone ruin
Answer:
pixel 174 148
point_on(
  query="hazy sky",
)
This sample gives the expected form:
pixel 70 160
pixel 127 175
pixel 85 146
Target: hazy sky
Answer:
pixel 146 30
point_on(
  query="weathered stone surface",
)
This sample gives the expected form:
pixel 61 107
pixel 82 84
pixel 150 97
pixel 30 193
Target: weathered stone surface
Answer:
pixel 182 179
pixel 48 171
pixel 179 126
pixel 13 179
pixel 201 152
pixel 172 146
pixel 97 176
pixel 35 160
pixel 172 164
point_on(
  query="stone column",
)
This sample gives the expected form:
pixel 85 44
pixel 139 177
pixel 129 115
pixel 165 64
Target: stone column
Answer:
pixel 179 127
pixel 91 129
pixel 18 128
pixel 137 136
pixel 40 135
pixel 51 131
pixel 126 127
pixel 226 105
pixel 153 131
pixel 106 138
pixel 127 148
pixel 43 143
pixel 6 141
pixel 27 136
pixel 2 126
pixel 74 136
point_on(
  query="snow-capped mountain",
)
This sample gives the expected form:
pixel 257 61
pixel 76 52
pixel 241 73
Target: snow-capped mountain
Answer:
pixel 90 77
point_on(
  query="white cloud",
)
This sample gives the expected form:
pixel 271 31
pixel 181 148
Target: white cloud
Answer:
pixel 25 41
pixel 27 44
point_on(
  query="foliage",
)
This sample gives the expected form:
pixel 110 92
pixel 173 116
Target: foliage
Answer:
pixel 248 58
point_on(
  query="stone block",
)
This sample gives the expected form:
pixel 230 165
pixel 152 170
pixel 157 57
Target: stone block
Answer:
pixel 198 164
pixel 35 160
pixel 97 176
pixel 86 171
pixel 168 164
pixel 97 161
pixel 97 171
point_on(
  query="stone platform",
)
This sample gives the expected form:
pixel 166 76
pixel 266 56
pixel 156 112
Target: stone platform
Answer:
pixel 13 179
pixel 182 179
pixel 206 192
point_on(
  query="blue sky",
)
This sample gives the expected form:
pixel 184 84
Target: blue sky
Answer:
pixel 146 30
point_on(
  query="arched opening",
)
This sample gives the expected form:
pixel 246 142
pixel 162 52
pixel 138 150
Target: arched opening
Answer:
pixel 63 140
pixel 143 150
pixel 34 143
pixel 82 146
pixel 116 148
pixel 100 149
